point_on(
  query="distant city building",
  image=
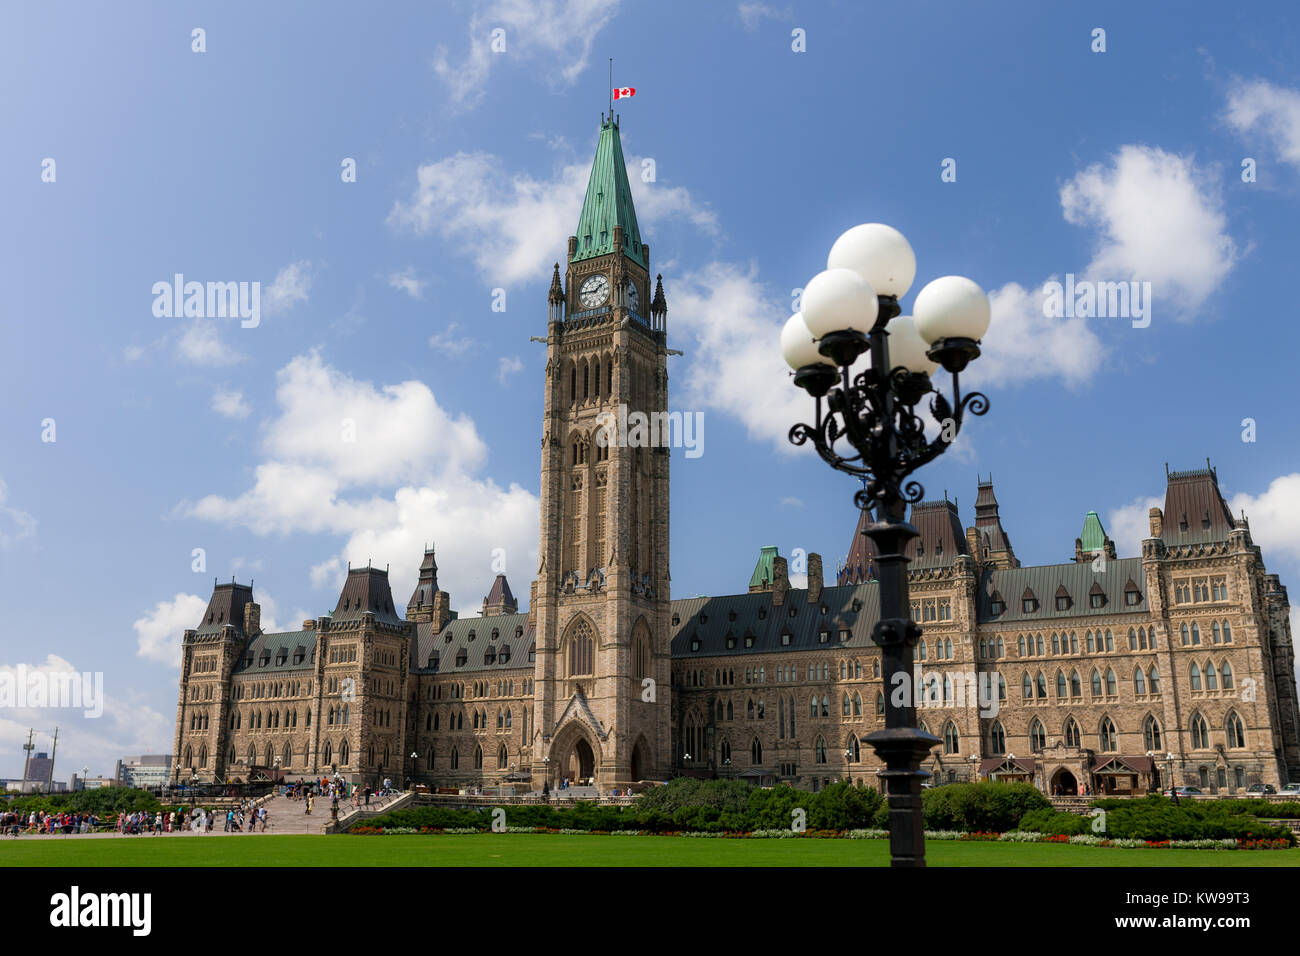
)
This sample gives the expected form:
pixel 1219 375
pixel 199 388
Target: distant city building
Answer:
pixel 91 783
pixel 39 768
pixel 149 770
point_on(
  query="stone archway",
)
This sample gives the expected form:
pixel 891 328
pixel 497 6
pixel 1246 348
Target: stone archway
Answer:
pixel 640 760
pixel 575 756
pixel 1064 784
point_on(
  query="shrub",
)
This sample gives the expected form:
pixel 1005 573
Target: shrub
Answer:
pixel 988 806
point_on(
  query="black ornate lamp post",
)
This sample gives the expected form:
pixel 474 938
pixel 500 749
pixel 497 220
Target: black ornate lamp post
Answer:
pixel 866 423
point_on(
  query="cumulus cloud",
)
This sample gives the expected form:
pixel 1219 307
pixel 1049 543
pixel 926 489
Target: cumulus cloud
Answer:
pixel 1159 219
pixel 555 34
pixel 406 281
pixel 1274 516
pixel 339 459
pixel 127 724
pixel 510 221
pixel 753 14
pixel 448 341
pixel 158 632
pixel 201 344
pixel 508 365
pixel 15 524
pixel 1260 111
pixel 230 402
pixel 1022 344
pixel 291 285
pixel 1129 524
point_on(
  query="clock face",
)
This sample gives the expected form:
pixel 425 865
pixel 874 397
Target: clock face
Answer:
pixel 594 291
pixel 633 299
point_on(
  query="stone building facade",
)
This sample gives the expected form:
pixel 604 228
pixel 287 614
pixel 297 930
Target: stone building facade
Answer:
pixel 1106 673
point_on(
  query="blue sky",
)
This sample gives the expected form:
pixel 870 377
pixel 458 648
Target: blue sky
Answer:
pixel 173 434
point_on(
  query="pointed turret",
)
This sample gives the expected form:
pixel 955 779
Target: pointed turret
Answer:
pixel 1091 540
pixel 765 571
pixel 499 600
pixel 994 544
pixel 1195 511
pixel 608 204
pixel 659 306
pixel 427 584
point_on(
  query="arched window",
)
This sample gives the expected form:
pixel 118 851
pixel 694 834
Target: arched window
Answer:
pixel 1151 733
pixel 1211 678
pixel 203 756
pixel 1226 672
pixel 880 704
pixel 1076 688
pixel 1139 681
pixel 288 754
pixel 1132 639
pixel 756 752
pixel 749 709
pixel 580 650
pixel 1110 682
pixel 857 704
pixel 826 706
pixel 478 758
pixel 947 689
pixel 725 751
pixel 1214 632
pixel 343 754
pixel 1096 683
pixel 1200 733
pixel 1042 686
pixel 1000 647
pixel 1236 732
pixel 1056 643
pixel 455 758
pixel 1153 678
pixel 997 738
pixel 845 705
pixel 731 711
pixel 502 757
pixel 1071 732
pixel 329 753
pixel 1107 734
pixel 1027 687
pixel 1110 640
pixel 1195 674
pixel 1020 645
pixel 1227 633
pixel 819 750
pixel 1185 635
pixel 950 738
pixel 1038 642
pixel 1062 689
pixel 1037 736
pixel 1196 633
pixel 855 751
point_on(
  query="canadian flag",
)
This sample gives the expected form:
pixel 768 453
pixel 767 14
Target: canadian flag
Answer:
pixel 620 92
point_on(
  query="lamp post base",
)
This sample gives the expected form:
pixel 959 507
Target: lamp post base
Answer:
pixel 902 749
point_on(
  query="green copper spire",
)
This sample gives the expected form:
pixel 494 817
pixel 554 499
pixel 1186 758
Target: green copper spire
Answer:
pixel 765 570
pixel 1093 537
pixel 608 203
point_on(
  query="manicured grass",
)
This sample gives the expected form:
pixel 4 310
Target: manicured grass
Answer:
pixel 545 849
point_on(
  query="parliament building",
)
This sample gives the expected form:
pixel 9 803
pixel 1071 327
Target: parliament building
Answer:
pixel 1103 674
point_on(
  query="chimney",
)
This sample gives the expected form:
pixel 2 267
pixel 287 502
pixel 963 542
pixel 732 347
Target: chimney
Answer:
pixel 973 543
pixel 1157 518
pixel 252 619
pixel 309 624
pixel 780 580
pixel 814 578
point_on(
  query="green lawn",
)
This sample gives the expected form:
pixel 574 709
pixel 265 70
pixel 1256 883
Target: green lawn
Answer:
pixel 544 849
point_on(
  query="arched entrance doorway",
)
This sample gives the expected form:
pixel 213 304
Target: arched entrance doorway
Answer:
pixel 638 760
pixel 580 768
pixel 1064 784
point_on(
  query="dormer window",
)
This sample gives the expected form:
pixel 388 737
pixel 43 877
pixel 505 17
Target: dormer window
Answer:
pixel 504 656
pixel 461 657
pixel 471 635
pixel 1028 603
pixel 823 636
pixel 793 611
pixel 495 633
pixel 1205 520
pixel 731 641
pixel 996 604
pixel 1096 597
pixel 695 642
pixel 433 662
pixel 677 619
pixel 490 656
pixel 447 636
pixel 731 616
pixel 844 635
pixel 1063 601
pixel 1182 523
pixel 785 638
pixel 532 653
pixel 1132 596
pixel 749 640
pixel 704 618
pixel 762 614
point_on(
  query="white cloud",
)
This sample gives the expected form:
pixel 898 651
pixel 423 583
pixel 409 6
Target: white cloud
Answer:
pixel 752 14
pixel 1129 524
pixel 791 502
pixel 508 365
pixel 555 33
pixel 406 281
pixel 386 493
pixel 1022 344
pixel 200 344
pixel 128 724
pixel 451 343
pixel 15 524
pixel 1274 516
pixel 132 353
pixel 159 631
pixel 291 285
pixel 1272 113
pixel 1160 220
pixel 230 403
pixel 511 221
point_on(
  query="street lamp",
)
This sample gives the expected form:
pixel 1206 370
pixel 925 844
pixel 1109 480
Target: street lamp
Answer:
pixel 849 309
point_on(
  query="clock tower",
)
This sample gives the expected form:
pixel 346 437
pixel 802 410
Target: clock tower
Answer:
pixel 602 680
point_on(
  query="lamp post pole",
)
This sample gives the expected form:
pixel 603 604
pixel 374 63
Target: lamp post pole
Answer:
pixel 851 309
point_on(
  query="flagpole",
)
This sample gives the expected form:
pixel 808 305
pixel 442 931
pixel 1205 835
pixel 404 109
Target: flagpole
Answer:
pixel 611 89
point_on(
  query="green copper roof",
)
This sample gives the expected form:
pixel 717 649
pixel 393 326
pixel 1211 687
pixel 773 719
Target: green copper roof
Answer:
pixel 1093 537
pixel 608 204
pixel 765 570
